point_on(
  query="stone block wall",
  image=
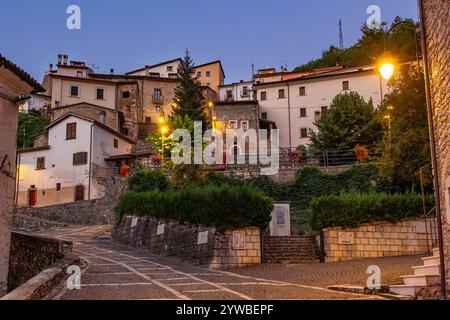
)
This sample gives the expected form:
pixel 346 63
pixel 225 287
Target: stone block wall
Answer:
pixel 437 23
pixel 381 239
pixel 197 245
pixel 30 255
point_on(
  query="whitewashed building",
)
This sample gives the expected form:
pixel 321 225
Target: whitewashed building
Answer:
pixel 238 91
pixel 295 105
pixel 36 102
pixel 67 159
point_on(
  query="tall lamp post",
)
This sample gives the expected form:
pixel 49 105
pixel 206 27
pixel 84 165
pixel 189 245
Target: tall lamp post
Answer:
pixel 387 69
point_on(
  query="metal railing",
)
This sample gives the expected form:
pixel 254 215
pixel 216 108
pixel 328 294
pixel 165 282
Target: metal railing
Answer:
pixel 431 228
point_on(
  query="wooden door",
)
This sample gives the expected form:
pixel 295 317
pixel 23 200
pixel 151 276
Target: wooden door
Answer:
pixel 79 193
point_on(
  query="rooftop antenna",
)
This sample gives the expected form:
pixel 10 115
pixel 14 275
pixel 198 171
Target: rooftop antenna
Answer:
pixel 341 36
pixel 94 67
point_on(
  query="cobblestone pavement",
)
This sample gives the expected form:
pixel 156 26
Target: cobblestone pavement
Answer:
pixel 117 272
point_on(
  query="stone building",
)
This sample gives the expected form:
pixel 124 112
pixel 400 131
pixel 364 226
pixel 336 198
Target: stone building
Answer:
pixel 436 21
pixel 14 84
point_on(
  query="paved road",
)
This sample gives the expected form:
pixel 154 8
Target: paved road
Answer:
pixel 117 272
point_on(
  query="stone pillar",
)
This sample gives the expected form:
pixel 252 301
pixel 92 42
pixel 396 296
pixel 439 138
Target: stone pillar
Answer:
pixel 437 24
pixel 8 128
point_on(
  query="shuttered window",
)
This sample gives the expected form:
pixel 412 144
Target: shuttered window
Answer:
pixel 40 163
pixel 71 131
pixel 80 158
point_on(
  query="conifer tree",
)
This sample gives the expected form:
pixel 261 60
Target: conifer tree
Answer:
pixel 188 95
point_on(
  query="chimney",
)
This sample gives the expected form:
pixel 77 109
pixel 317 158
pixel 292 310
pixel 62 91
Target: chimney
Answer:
pixel 65 58
pixel 111 71
pixel 59 59
pixel 50 67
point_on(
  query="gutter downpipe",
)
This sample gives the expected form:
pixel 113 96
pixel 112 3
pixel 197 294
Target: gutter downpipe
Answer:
pixel 433 149
pixel 289 115
pixel 90 163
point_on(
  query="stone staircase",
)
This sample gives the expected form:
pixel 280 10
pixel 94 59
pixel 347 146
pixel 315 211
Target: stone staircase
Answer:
pixel 425 282
pixel 290 250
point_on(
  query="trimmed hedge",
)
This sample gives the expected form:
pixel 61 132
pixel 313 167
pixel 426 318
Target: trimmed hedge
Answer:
pixel 354 209
pixel 223 207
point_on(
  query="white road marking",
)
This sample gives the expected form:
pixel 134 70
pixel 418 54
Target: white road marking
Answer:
pixel 242 296
pixel 159 284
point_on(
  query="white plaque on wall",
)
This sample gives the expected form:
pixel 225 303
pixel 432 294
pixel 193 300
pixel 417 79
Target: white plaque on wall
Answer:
pixel 346 238
pixel 160 229
pixel 134 222
pixel 239 239
pixel 202 237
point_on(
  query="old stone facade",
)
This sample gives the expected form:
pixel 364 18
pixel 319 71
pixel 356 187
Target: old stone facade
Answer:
pixel 14 83
pixel 437 24
pixel 106 116
pixel 197 245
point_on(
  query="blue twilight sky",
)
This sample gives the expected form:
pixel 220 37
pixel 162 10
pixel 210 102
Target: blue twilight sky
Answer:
pixel 125 35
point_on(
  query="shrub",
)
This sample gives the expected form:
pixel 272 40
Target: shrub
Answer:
pixel 223 207
pixel 354 209
pixel 147 180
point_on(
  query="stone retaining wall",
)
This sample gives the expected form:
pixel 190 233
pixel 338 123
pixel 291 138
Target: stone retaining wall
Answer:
pixel 197 245
pixel 30 255
pixel 381 239
pixel 89 212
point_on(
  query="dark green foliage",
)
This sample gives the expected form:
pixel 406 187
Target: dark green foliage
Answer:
pixel 350 121
pixel 222 207
pixel 311 182
pixel 188 95
pixel 147 180
pixel 370 46
pixel 30 124
pixel 354 209
pixel 406 148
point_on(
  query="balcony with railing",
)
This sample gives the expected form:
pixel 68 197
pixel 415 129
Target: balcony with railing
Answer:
pixel 158 98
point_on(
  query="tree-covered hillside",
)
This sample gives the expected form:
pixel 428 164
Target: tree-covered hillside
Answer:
pixel 401 42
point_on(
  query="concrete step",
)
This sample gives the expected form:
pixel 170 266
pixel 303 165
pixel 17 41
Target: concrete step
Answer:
pixel 421 281
pixel 426 270
pixel 435 252
pixel 403 290
pixel 433 260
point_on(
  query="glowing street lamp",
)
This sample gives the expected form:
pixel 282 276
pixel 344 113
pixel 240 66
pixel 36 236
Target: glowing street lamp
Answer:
pixel 161 119
pixel 387 70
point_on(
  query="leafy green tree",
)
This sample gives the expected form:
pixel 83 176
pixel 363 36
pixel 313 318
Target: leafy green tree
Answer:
pixel 163 141
pixel 350 121
pixel 30 124
pixel 406 140
pixel 188 95
pixel 401 41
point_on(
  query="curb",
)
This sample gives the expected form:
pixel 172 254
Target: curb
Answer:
pixel 40 285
